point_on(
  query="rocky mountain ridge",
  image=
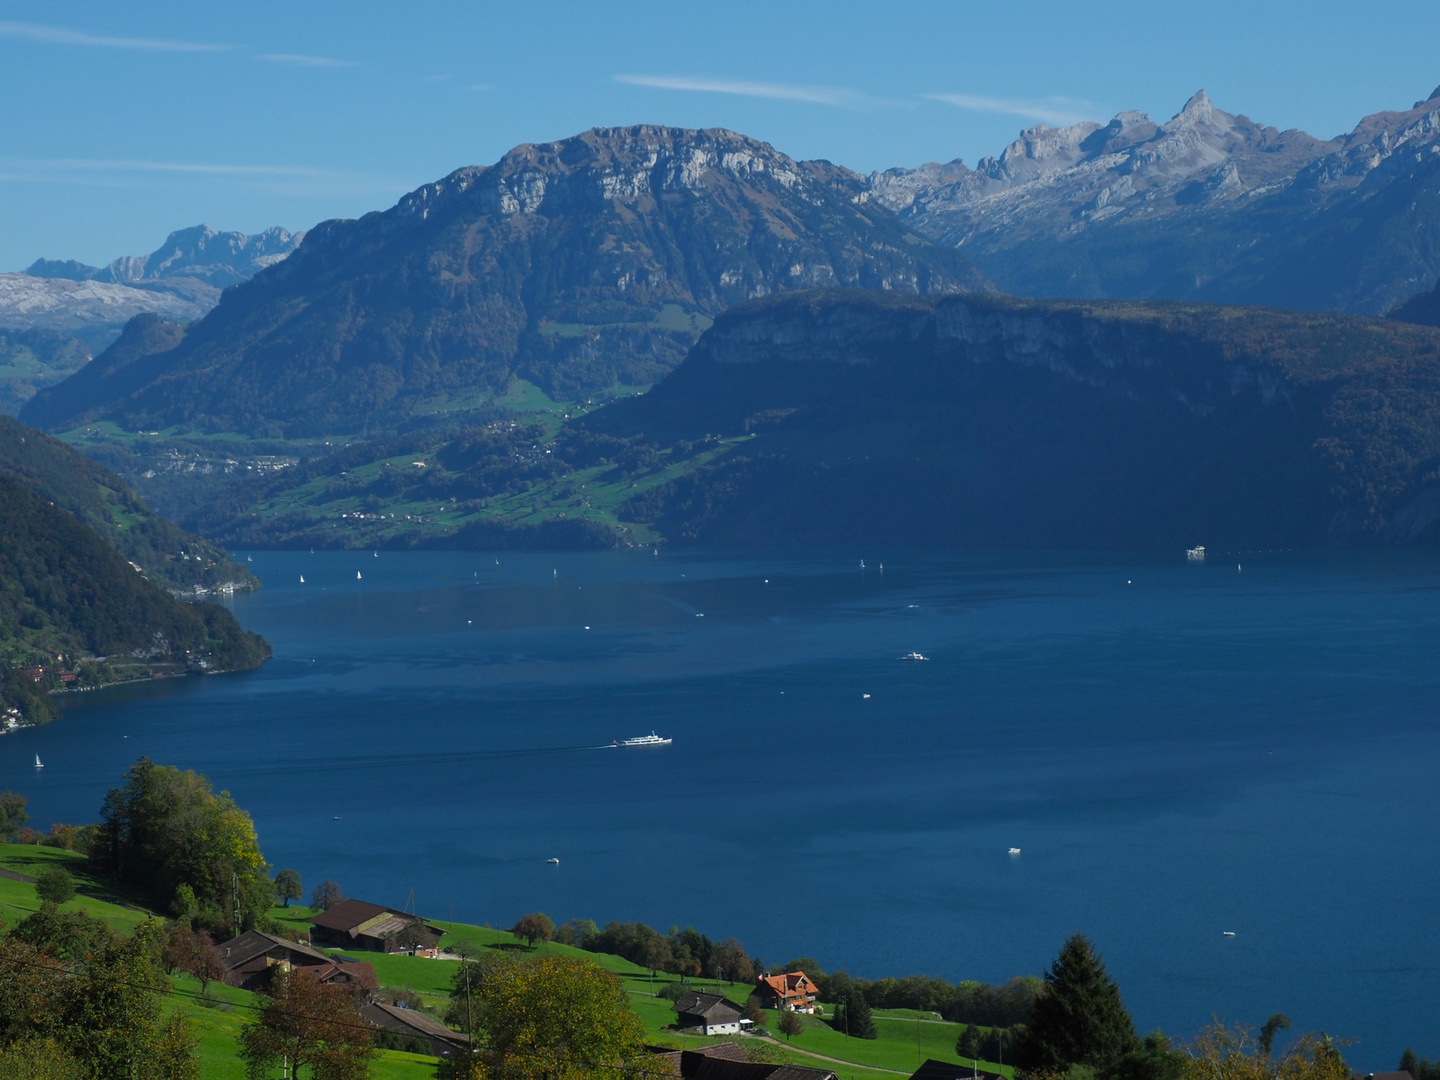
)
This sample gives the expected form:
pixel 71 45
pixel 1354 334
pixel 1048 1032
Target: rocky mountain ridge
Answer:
pixel 219 259
pixel 1207 205
pixel 577 265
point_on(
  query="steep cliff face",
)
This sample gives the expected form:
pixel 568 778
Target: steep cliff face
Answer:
pixel 991 421
pixel 1208 206
pixel 576 264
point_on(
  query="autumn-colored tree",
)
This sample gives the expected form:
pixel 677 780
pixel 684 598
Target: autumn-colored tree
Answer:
pixel 193 952
pixel 554 1017
pixel 103 1007
pixel 1225 1053
pixel 311 1025
pixel 37 1058
pixel 164 828
pixel 533 928
pixel 790 1025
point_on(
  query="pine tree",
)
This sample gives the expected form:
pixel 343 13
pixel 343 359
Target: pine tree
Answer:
pixel 853 1017
pixel 1079 1018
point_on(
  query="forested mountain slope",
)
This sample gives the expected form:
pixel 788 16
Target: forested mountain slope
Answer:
pixel 577 265
pixel 69 601
pixel 169 556
pixel 997 422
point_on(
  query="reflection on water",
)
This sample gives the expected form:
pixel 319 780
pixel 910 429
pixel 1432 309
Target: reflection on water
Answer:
pixel 1178 750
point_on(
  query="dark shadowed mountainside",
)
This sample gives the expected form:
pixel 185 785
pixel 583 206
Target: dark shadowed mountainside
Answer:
pixel 995 422
pixel 173 559
pixel 577 265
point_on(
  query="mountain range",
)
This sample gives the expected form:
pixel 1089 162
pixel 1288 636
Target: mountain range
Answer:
pixel 1206 206
pixel 576 265
pixel 180 280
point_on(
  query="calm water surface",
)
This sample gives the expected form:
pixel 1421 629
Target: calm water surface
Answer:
pixel 1178 750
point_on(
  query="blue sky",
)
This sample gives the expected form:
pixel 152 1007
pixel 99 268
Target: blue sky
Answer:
pixel 123 122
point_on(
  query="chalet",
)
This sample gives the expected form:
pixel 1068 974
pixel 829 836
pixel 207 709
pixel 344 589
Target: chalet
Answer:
pixel 713 1014
pixel 249 959
pixel 415 1024
pixel 946 1070
pixel 792 992
pixel 354 924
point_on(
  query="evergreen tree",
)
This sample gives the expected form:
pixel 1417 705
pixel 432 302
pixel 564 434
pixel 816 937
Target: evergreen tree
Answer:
pixel 1079 1019
pixel 853 1017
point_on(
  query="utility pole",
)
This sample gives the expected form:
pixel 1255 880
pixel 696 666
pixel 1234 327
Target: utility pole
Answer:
pixel 235 887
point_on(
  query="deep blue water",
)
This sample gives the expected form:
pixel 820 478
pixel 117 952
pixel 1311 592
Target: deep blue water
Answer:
pixel 1178 750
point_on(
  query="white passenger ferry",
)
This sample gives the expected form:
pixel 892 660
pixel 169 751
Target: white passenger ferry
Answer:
pixel 645 740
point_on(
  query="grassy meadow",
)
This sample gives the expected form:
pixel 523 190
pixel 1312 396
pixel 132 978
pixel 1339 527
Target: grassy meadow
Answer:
pixel 906 1037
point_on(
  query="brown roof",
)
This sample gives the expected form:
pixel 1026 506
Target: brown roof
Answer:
pixel 948 1070
pixel 240 950
pixel 358 973
pixel 397 1019
pixel 685 1062
pixel 348 914
pixel 712 1068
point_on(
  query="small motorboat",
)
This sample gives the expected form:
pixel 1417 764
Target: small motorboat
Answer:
pixel 914 656
pixel 553 862
pixel 1228 933
pixel 1014 851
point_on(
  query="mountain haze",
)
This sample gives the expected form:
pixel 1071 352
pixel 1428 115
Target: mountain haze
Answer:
pixel 577 265
pixel 1206 206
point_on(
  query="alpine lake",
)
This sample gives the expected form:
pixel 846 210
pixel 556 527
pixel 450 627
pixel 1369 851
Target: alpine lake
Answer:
pixel 1223 772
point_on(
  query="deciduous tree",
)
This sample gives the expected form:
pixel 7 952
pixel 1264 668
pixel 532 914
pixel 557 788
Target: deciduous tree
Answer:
pixel 533 928
pixel 54 885
pixel 12 813
pixel 164 828
pixel 326 895
pixel 1224 1053
pixel 287 886
pixel 554 1017
pixel 730 961
pixel 1079 1018
pixel 311 1025
pixel 790 1025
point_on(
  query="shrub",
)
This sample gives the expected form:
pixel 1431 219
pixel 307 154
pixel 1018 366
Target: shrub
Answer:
pixel 54 886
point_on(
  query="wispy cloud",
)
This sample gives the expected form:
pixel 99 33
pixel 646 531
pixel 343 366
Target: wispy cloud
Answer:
pixel 56 35
pixel 1054 110
pixel 814 95
pixel 197 168
pixel 301 60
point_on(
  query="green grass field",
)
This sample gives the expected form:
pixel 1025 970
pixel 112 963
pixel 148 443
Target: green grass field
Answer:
pixel 906 1037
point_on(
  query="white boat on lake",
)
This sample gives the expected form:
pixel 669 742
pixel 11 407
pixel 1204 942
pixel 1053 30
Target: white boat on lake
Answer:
pixel 38 763
pixel 914 656
pixel 1195 554
pixel 645 740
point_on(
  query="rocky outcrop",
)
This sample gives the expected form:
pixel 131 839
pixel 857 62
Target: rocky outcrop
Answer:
pixel 199 253
pixel 1207 205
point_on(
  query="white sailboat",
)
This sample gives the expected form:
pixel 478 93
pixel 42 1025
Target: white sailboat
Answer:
pixel 357 575
pixel 302 579
pixel 38 763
